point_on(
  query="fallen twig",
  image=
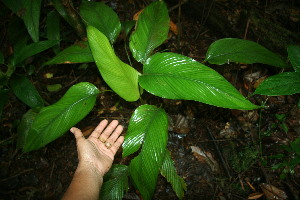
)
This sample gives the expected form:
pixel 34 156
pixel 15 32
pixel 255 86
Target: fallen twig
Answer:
pixel 219 153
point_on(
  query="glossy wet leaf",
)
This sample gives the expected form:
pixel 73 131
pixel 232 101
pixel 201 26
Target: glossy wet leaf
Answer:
pixel 144 168
pixel 140 122
pixel 77 53
pixel 31 17
pixel 151 31
pixel 168 170
pixel 27 51
pixel 294 56
pixel 53 121
pixel 243 51
pixel 115 183
pixel 24 126
pixel 175 76
pixel 286 83
pixel 26 91
pixel 3 99
pixel 121 78
pixel 102 17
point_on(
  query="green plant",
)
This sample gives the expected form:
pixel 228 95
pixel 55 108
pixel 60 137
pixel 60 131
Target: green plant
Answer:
pixel 280 124
pixel 167 75
pixel 289 159
pixel 286 83
pixel 248 52
pixel 23 49
pixel 244 158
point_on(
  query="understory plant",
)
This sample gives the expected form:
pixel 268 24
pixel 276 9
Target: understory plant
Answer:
pixel 285 83
pixel 289 159
pixel 167 75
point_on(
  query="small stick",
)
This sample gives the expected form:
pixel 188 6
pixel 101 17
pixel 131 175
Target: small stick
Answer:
pixel 16 175
pixel 246 30
pixel 178 5
pixel 219 153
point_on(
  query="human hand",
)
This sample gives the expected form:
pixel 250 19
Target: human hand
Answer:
pixel 98 150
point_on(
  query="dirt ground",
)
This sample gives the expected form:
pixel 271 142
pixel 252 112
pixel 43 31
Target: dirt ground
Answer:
pixel 220 153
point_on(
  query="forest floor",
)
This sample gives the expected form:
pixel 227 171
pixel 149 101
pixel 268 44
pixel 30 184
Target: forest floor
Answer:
pixel 220 153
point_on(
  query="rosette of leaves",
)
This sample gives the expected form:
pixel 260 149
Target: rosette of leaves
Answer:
pixel 167 75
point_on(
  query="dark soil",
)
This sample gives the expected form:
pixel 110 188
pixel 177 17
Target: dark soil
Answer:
pixel 220 153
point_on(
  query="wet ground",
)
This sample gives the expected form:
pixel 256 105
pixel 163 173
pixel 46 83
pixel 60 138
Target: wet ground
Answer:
pixel 220 153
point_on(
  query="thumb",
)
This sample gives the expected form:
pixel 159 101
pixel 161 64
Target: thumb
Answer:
pixel 77 133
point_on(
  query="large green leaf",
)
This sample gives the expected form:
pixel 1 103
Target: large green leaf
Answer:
pixel 14 5
pixel 237 50
pixel 26 92
pixel 61 10
pixel 24 127
pixel 286 83
pixel 175 76
pixel 122 78
pixel 31 17
pixel 77 53
pixel 168 170
pixel 115 183
pixel 102 17
pixel 53 28
pixel 3 99
pixel 144 168
pixel 53 121
pixel 29 50
pixel 294 56
pixel 151 31
pixel 139 124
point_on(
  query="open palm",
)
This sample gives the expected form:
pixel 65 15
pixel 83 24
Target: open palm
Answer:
pixel 99 149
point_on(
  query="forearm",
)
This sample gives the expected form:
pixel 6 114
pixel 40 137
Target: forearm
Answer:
pixel 88 178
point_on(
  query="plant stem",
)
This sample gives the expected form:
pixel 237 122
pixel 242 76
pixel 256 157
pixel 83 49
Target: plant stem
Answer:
pixel 75 20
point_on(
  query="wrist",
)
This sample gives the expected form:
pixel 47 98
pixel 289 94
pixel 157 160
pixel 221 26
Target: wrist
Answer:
pixel 89 170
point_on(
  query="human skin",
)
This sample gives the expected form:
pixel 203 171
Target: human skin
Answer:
pixel 95 159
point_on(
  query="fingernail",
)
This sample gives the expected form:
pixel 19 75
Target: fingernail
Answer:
pixel 72 129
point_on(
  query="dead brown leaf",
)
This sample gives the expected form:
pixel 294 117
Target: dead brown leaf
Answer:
pixel 205 157
pixel 272 193
pixel 86 131
pixel 173 28
pixel 136 15
pixel 255 195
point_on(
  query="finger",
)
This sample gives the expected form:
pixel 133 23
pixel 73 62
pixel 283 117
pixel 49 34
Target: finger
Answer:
pixel 109 129
pixel 77 133
pixel 113 137
pixel 117 144
pixel 98 130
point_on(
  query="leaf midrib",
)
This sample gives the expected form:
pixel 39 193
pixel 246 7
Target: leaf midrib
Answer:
pixel 151 30
pixel 149 124
pixel 61 113
pixel 236 52
pixel 198 81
